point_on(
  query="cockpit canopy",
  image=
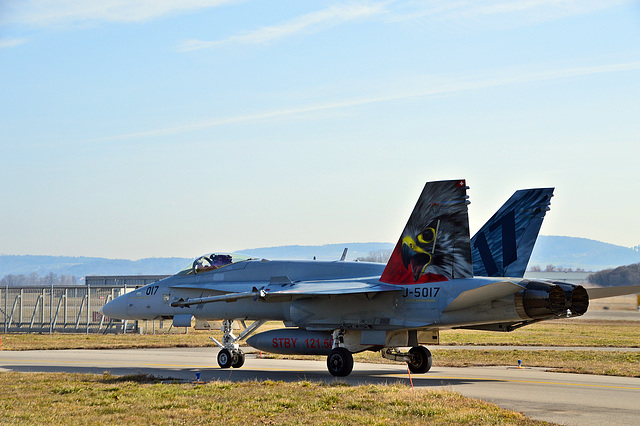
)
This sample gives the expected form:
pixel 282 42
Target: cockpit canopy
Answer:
pixel 212 261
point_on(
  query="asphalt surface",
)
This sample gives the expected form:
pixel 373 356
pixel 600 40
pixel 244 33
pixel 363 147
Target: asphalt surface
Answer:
pixel 556 397
pixel 535 348
pixel 611 315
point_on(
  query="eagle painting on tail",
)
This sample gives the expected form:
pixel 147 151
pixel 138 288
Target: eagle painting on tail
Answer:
pixel 434 245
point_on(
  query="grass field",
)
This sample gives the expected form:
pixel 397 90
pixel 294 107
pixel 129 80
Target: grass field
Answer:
pixel 29 398
pixel 549 333
pixel 565 332
pixel 59 398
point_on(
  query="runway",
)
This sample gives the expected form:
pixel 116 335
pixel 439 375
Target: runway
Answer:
pixel 555 397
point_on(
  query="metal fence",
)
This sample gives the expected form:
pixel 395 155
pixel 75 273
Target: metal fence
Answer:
pixel 58 309
pixel 73 309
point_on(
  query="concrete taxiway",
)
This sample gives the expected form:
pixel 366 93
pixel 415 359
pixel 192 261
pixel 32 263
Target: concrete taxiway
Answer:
pixel 562 398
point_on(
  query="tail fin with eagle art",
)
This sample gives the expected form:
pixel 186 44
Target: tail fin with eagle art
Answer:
pixel 435 243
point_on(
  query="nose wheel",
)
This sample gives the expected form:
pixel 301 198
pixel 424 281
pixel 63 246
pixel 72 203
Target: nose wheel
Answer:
pixel 230 354
pixel 231 358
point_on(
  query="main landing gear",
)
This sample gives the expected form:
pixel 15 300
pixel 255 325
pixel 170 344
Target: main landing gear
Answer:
pixel 230 354
pixel 339 360
pixel 418 358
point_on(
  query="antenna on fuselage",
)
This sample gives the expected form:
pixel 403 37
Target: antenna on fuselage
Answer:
pixel 344 254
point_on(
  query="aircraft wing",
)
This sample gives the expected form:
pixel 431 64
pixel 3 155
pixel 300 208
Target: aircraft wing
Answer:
pixel 282 287
pixel 602 292
pixel 327 288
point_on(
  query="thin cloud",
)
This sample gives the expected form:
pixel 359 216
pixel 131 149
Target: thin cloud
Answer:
pixel 553 7
pixel 397 11
pixel 306 24
pixel 440 88
pixel 529 10
pixel 7 43
pixel 45 13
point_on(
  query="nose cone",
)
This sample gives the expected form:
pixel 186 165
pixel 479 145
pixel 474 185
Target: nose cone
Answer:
pixel 117 308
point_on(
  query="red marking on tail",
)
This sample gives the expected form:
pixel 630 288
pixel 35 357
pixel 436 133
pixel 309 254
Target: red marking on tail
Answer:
pixel 396 273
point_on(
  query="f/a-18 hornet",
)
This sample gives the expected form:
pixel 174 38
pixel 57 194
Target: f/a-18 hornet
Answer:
pixel 436 278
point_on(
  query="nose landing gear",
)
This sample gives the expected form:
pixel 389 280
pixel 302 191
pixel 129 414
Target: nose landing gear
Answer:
pixel 227 358
pixel 230 354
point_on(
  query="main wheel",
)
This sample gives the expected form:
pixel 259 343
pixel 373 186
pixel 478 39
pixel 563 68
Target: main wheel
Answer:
pixel 225 358
pixel 420 360
pixel 340 362
pixel 239 360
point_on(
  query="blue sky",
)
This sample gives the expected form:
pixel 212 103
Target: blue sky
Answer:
pixel 135 129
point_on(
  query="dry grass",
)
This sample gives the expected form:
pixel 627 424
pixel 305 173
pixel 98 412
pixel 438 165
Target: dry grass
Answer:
pixel 588 362
pixel 628 302
pixel 57 398
pixel 23 342
pixel 550 333
pixel 564 332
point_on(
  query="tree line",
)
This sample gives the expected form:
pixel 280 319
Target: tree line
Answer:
pixel 34 280
pixel 382 256
pixel 622 275
pixel 553 268
pixel 378 256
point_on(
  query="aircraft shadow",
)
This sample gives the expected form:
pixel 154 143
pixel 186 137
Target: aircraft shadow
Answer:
pixel 372 376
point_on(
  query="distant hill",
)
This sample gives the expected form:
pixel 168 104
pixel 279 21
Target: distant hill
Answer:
pixel 82 266
pixel 567 252
pixel 324 252
pixel 572 252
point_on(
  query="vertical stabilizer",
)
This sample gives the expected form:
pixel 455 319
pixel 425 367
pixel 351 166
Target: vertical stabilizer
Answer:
pixel 503 246
pixel 435 244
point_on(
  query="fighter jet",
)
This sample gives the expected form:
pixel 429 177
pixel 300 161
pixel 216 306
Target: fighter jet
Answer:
pixel 436 278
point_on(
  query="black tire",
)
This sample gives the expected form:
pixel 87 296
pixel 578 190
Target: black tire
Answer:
pixel 340 362
pixel 225 358
pixel 420 360
pixel 239 360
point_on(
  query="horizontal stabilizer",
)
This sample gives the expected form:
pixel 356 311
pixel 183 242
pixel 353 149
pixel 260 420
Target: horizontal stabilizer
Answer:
pixel 484 294
pixel 602 292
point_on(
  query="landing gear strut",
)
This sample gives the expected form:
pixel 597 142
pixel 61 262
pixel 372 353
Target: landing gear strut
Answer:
pixel 339 360
pixel 230 354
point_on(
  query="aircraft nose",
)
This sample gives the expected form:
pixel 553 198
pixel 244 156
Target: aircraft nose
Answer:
pixel 117 308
